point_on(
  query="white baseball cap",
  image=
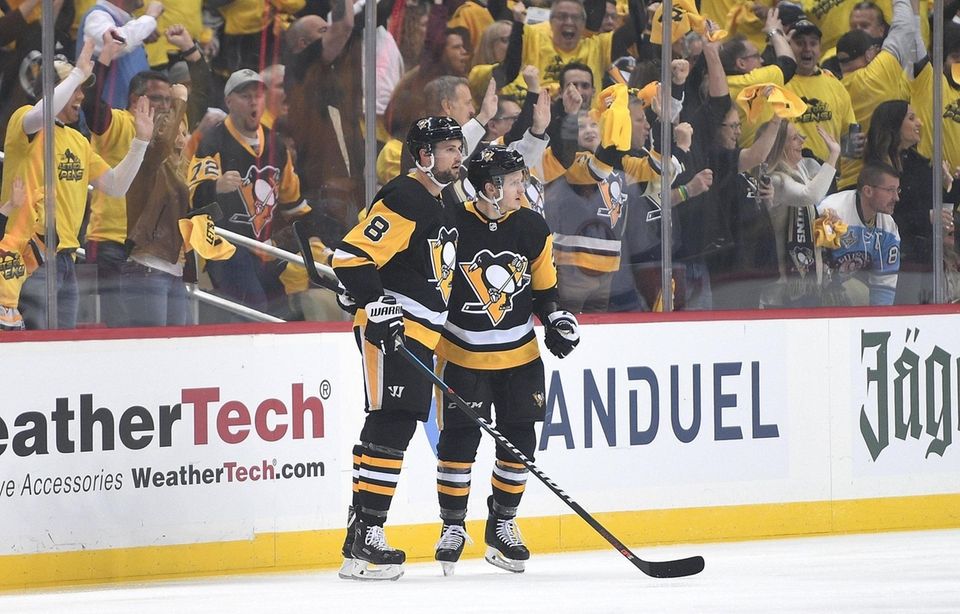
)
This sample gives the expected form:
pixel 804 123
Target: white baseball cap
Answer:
pixel 240 78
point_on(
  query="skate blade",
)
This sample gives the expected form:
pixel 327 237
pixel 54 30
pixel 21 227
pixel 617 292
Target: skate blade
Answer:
pixel 362 570
pixel 448 567
pixel 346 569
pixel 496 559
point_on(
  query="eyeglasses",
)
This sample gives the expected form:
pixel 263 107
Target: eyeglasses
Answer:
pixel 889 190
pixel 733 126
pixel 507 118
pixel 752 55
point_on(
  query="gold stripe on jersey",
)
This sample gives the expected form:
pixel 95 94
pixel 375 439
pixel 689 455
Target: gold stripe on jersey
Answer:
pixel 588 253
pixel 414 328
pixel 487 360
pixel 543 273
pixel 384 234
pixel 441 364
pixel 372 372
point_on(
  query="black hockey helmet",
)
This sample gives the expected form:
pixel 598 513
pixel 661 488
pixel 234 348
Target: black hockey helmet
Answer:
pixel 427 131
pixel 491 164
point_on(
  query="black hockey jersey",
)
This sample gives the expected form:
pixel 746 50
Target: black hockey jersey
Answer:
pixel 405 247
pixel 270 184
pixel 504 274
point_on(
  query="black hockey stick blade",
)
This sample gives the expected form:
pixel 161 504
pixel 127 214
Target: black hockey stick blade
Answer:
pixel 656 569
pixel 213 210
pixel 303 240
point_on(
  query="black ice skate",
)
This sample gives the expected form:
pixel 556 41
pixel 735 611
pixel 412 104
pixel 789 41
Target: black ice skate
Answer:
pixel 453 537
pixel 346 568
pixel 373 558
pixel 505 547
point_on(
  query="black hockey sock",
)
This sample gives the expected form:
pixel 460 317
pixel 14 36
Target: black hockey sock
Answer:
pixel 453 489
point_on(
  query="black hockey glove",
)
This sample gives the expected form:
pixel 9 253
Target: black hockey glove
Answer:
pixel 562 333
pixel 346 301
pixel 384 324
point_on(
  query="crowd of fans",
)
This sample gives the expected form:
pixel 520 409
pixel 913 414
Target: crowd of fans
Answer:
pixel 800 156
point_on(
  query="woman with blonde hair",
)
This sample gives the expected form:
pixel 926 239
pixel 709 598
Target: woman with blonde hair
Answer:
pixel 798 185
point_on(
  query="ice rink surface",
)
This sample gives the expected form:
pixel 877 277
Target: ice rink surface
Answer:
pixel 884 572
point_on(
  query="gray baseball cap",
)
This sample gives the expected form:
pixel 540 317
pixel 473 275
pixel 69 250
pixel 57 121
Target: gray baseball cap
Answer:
pixel 240 78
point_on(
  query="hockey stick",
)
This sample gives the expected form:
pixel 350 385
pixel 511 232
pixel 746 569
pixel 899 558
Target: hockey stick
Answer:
pixel 658 569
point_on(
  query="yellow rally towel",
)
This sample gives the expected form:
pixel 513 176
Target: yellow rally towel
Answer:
pixel 199 234
pixel 755 98
pixel 686 17
pixel 827 230
pixel 615 124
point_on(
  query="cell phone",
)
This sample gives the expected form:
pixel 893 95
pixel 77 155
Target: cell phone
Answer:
pixel 851 146
pixel 116 36
pixel 763 176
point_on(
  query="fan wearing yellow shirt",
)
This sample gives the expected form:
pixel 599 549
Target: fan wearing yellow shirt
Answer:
pixel 77 165
pixel 873 74
pixel 565 42
pixel 744 67
pixel 828 103
pixel 922 99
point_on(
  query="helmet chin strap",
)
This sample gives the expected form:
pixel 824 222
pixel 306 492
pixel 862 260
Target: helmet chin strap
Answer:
pixel 495 202
pixel 428 171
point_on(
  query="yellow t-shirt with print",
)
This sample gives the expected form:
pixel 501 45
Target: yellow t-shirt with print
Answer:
pixel 833 18
pixel 108 214
pixel 828 106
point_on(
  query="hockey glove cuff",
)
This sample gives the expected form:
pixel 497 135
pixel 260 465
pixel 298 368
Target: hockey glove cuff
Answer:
pixel 384 327
pixel 346 301
pixel 562 333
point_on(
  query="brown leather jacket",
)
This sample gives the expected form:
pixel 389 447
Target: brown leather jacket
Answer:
pixel 158 196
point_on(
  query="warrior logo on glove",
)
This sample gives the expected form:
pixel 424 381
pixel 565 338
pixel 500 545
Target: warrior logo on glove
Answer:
pixel 494 280
pixel 443 253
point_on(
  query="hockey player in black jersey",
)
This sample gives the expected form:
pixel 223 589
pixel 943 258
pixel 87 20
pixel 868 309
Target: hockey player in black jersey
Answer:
pixel 398 266
pixel 488 352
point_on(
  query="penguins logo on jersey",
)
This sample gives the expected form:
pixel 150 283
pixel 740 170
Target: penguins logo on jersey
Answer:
pixel 443 257
pixel 611 189
pixel 259 194
pixel 495 279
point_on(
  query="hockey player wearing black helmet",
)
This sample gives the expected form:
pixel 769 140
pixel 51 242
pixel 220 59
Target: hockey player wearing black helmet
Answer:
pixel 432 136
pixel 488 353
pixel 397 264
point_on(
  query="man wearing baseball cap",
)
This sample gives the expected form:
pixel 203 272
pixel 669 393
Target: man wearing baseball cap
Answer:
pixel 872 75
pixel 241 165
pixel 828 103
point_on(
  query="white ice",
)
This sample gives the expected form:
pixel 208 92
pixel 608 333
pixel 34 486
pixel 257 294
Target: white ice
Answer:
pixel 884 572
